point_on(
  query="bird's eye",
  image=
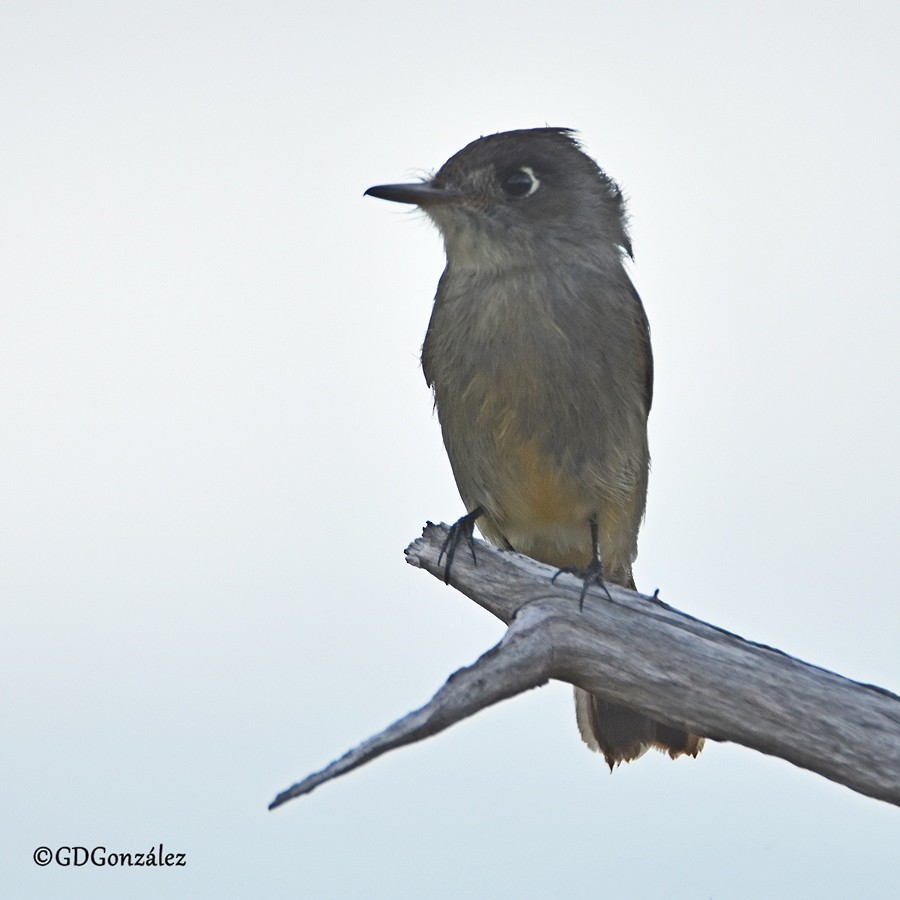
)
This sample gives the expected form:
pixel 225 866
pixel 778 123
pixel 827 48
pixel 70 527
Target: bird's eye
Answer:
pixel 520 182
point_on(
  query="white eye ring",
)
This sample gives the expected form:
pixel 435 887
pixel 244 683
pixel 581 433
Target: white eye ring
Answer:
pixel 517 186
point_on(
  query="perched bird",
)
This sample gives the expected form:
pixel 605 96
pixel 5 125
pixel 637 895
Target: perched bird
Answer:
pixel 538 352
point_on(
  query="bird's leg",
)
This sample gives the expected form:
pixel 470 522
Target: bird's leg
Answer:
pixel 592 573
pixel 464 528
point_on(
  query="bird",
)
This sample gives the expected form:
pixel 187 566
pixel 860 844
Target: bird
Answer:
pixel 539 358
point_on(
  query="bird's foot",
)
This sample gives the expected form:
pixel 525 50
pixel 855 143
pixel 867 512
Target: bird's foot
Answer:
pixel 462 529
pixel 591 574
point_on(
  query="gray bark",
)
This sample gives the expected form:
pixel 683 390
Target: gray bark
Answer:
pixel 638 651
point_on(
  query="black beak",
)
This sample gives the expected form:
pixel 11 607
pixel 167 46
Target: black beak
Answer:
pixel 421 193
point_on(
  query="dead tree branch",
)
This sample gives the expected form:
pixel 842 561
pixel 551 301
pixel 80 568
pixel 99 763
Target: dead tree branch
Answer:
pixel 640 652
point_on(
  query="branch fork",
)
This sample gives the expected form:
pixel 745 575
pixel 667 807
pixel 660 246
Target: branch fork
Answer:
pixel 637 651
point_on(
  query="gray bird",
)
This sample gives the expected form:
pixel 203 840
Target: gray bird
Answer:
pixel 538 352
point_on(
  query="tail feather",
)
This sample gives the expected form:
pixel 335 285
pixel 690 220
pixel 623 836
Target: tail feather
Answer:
pixel 622 734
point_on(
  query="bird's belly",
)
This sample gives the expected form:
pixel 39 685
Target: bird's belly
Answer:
pixel 538 506
pixel 535 490
pixel 540 468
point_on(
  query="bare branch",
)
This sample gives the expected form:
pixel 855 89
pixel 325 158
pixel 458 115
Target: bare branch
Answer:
pixel 640 652
pixel 517 663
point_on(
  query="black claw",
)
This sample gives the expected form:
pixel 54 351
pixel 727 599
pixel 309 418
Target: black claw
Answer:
pixel 590 574
pixel 464 528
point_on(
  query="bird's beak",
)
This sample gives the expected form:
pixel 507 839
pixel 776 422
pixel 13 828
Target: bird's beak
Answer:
pixel 421 193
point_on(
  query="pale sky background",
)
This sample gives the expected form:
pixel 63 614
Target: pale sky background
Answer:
pixel 217 439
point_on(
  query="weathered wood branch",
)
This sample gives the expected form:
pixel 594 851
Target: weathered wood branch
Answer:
pixel 640 652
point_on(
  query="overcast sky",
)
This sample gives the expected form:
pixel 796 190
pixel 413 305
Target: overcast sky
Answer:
pixel 217 439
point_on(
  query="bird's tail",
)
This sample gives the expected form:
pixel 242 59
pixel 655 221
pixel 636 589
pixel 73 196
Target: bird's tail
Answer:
pixel 622 734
